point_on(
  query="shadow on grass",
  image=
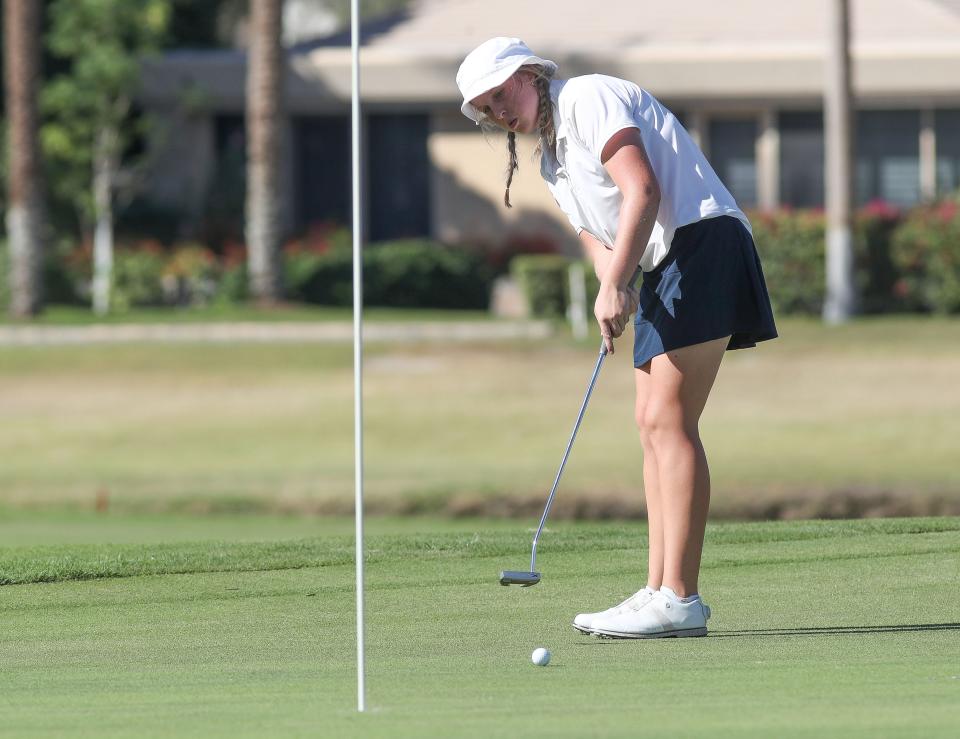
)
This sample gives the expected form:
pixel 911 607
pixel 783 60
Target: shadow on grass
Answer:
pixel 818 631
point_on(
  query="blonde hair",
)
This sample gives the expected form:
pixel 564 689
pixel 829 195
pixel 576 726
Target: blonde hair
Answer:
pixel 545 126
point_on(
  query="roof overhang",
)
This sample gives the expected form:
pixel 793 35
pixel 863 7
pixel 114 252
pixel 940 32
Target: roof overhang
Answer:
pixel 320 79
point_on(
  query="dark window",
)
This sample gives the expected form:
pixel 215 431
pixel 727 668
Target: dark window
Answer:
pixel 398 168
pixel 226 190
pixel 733 156
pixel 888 156
pixel 801 159
pixel 322 170
pixel 229 135
pixel 948 150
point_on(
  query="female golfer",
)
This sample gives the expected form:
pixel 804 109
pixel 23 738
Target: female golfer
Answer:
pixel 639 192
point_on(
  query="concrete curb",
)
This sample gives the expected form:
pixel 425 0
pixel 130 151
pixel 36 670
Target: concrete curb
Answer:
pixel 272 332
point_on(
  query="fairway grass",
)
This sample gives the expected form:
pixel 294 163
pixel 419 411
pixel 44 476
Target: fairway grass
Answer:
pixel 823 422
pixel 842 628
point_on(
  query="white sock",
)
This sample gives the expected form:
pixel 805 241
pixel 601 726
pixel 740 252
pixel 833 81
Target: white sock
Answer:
pixel 670 593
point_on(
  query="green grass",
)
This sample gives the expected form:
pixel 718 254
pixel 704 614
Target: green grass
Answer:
pixel 805 425
pixel 25 527
pixel 820 629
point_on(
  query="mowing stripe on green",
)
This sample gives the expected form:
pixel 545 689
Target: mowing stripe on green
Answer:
pixel 20 565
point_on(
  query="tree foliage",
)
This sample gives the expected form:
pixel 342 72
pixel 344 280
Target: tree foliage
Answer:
pixel 103 42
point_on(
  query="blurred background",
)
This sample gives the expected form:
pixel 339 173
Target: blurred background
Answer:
pixel 177 269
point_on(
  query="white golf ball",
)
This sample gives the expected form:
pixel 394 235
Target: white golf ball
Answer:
pixel 540 657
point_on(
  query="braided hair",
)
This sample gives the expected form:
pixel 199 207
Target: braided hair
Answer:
pixel 545 126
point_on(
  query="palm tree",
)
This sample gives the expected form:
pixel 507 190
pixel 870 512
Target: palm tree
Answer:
pixel 26 207
pixel 265 73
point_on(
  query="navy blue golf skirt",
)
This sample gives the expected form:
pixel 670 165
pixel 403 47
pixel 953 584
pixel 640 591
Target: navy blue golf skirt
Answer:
pixel 709 285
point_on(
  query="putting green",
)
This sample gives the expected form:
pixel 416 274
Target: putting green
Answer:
pixel 819 628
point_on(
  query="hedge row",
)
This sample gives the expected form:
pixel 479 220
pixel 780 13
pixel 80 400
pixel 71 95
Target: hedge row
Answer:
pixel 410 273
pixel 399 274
pixel 146 274
pixel 904 262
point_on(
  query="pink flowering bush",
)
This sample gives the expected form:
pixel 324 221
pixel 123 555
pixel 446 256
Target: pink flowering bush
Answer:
pixel 926 254
pixel 791 247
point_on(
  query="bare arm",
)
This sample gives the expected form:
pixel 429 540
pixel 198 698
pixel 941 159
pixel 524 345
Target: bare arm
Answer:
pixel 597 253
pixel 626 160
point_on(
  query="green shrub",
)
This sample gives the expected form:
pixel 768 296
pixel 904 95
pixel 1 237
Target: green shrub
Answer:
pixel 543 280
pixel 62 276
pixel 420 273
pixel 137 277
pixel 329 280
pixel 233 286
pixel 402 274
pixel 4 276
pixel 190 275
pixel 299 268
pixel 302 257
pixel 66 275
pixel 75 263
pixel 926 252
pixel 876 273
pixel 791 247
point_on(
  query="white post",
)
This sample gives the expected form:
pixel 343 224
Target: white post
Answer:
pixel 103 169
pixel 928 156
pixel 768 161
pixel 577 310
pixel 840 301
pixel 357 346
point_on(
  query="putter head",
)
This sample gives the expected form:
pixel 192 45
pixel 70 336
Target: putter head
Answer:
pixel 513 577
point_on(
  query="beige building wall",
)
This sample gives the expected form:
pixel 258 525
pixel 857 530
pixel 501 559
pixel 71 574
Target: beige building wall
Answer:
pixel 467 184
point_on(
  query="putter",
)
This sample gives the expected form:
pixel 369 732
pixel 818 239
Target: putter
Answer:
pixel 532 577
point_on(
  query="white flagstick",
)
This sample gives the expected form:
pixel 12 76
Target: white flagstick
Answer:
pixel 357 347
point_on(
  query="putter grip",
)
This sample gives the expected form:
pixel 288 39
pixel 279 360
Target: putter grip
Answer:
pixel 633 280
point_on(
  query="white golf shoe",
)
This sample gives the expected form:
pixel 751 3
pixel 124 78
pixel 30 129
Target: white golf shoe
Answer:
pixel 584 621
pixel 665 615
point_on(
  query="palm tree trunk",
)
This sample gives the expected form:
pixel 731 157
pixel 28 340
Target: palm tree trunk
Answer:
pixel 26 212
pixel 264 116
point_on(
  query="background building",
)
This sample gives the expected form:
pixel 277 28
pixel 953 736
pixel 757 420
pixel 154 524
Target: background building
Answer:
pixel 745 77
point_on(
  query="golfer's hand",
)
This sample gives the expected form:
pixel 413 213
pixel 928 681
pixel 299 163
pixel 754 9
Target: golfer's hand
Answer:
pixel 613 310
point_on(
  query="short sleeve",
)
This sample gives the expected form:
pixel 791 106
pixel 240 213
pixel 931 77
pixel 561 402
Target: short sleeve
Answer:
pixel 569 210
pixel 595 111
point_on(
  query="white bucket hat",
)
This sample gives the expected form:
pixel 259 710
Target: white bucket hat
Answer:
pixel 491 64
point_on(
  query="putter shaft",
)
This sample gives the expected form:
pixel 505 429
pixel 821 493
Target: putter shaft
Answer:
pixel 566 454
pixel 526 579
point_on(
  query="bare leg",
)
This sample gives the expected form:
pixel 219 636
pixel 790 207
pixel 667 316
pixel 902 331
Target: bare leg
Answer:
pixel 651 484
pixel 679 384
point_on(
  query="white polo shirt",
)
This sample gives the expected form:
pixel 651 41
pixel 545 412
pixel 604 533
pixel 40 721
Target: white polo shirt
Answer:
pixel 587 112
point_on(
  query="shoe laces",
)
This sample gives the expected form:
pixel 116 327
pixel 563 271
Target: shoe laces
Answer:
pixel 633 602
